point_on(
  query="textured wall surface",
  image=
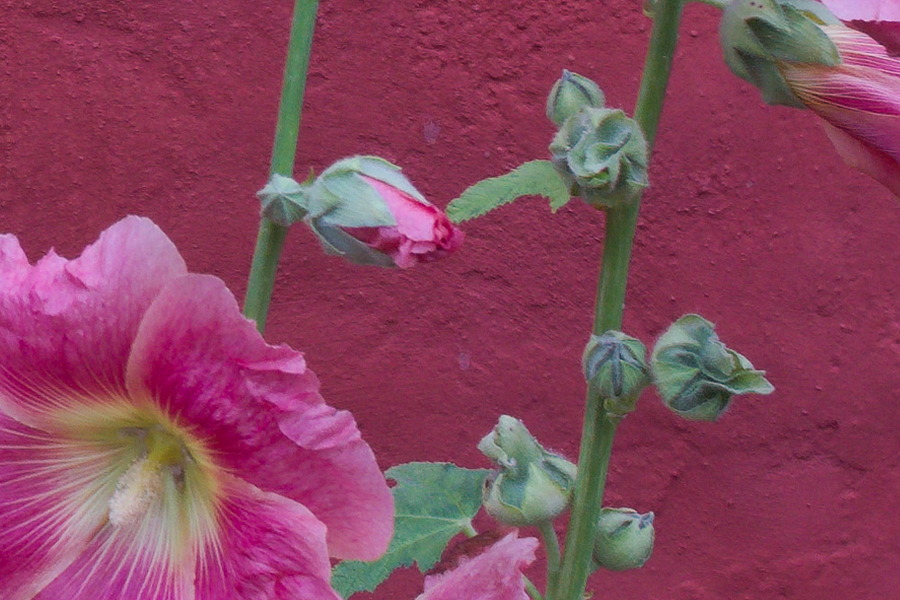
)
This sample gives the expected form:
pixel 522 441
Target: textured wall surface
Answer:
pixel 166 109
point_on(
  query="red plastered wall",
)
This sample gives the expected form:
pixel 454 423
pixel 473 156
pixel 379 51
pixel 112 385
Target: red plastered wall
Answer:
pixel 166 109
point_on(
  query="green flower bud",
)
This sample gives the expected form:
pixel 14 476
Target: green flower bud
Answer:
pixel 530 485
pixel 614 365
pixel 624 539
pixel 757 35
pixel 696 374
pixel 283 200
pixel 571 92
pixel 602 155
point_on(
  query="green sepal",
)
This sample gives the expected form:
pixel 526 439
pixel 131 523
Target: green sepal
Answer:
pixel 340 243
pixel 795 39
pixel 615 367
pixel 757 35
pixel 433 503
pixel 697 375
pixel 345 199
pixel 382 170
pixel 283 200
pixel 535 178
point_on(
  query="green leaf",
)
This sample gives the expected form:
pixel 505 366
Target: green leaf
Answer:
pixel 434 502
pixel 535 178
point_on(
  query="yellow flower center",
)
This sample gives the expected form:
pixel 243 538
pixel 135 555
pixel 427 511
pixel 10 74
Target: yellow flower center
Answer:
pixel 155 481
pixel 161 466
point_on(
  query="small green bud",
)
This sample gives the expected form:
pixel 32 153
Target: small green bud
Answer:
pixel 283 200
pixel 615 366
pixel 624 539
pixel 602 156
pixel 696 374
pixel 571 92
pixel 530 485
pixel 758 35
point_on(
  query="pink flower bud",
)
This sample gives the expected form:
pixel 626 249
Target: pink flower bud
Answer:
pixel 422 233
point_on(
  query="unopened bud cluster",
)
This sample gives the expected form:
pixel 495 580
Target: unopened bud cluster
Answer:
pixel 599 152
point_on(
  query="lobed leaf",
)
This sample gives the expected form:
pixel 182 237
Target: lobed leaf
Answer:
pixel 434 502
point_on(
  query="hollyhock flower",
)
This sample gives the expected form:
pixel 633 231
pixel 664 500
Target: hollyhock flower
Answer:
pixel 366 210
pixel 153 447
pixel 807 58
pixel 496 574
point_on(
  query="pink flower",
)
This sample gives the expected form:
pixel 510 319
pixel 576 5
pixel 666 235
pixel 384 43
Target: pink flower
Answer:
pixel 859 101
pixel 153 447
pixel 496 574
pixel 423 232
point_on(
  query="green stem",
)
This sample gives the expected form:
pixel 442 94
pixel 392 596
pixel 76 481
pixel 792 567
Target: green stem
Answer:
pixel 596 446
pixel 599 427
pixel 270 239
pixel 532 589
pixel 551 546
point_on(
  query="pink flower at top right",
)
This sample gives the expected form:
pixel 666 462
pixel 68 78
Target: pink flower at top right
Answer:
pixel 859 100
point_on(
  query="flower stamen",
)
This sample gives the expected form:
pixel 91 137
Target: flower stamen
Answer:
pixel 145 480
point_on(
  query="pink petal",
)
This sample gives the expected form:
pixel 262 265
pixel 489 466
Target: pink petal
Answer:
pixel 124 562
pixel 72 322
pixel 886 34
pixel 269 548
pixel 860 50
pixel 495 574
pixel 870 161
pixel 258 408
pixel 422 233
pixel 864 10
pixel 863 102
pixel 52 500
pixel 414 219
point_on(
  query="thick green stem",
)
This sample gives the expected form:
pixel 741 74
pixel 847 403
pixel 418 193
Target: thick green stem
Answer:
pixel 599 427
pixel 271 236
pixel 596 446
pixel 551 546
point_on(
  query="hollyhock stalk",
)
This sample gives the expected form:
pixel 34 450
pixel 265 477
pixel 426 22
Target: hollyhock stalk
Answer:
pixel 599 427
pixel 270 239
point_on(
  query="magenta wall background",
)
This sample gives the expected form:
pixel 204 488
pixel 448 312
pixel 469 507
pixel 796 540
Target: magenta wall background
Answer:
pixel 166 109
